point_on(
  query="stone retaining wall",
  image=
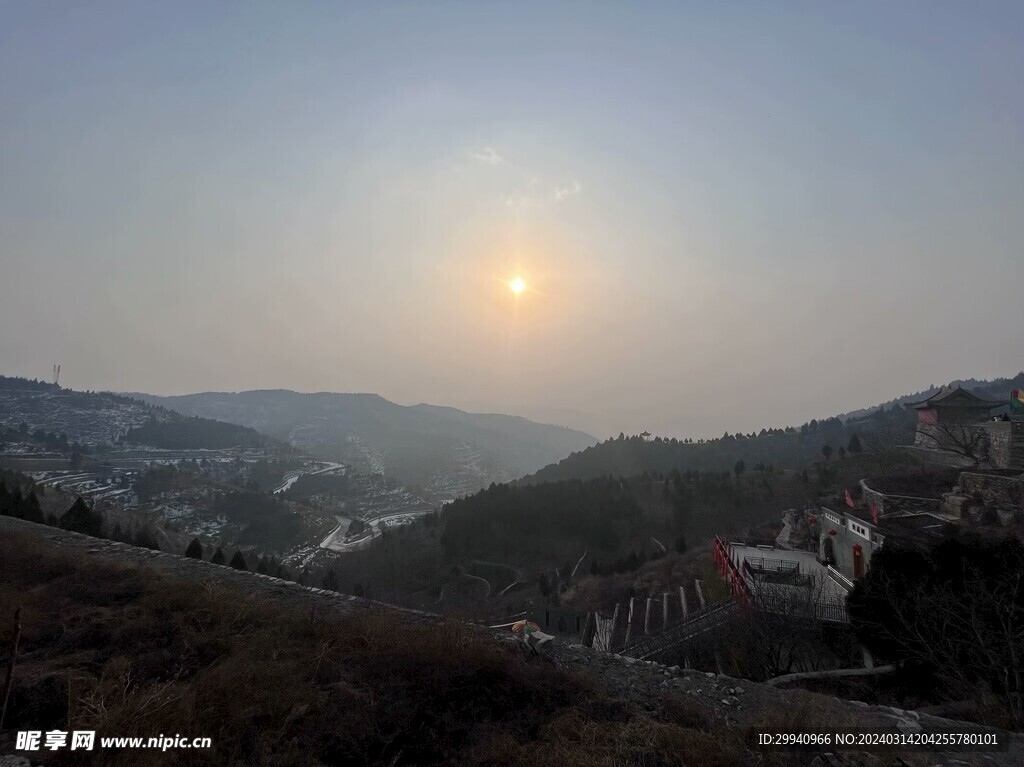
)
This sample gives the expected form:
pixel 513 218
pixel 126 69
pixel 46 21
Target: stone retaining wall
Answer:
pixel 994 491
pixel 1003 447
pixel 897 504
pixel 1005 443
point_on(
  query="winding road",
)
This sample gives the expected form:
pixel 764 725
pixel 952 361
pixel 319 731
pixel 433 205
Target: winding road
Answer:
pixel 293 476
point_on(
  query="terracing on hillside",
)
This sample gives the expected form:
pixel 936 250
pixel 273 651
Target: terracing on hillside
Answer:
pixel 91 419
pixel 734 704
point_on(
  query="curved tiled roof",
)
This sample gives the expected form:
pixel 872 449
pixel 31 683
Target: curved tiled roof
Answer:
pixel 956 397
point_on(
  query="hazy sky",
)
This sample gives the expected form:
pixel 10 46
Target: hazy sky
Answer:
pixel 728 215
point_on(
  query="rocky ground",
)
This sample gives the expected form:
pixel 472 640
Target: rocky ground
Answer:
pixel 666 693
pixel 753 708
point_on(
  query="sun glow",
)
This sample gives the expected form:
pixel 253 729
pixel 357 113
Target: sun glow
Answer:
pixel 517 285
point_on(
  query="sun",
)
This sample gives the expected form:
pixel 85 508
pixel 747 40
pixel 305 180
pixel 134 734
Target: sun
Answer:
pixel 517 285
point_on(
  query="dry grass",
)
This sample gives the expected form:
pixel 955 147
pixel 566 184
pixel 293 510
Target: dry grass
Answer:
pixel 650 579
pixel 126 652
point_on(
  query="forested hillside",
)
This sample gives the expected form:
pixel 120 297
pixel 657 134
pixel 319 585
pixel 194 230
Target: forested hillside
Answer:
pixel 13 383
pixel 614 517
pixel 996 389
pixel 194 433
pixel 789 448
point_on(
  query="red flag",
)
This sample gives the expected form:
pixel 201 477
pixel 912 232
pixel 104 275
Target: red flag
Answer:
pixel 874 513
pixel 849 500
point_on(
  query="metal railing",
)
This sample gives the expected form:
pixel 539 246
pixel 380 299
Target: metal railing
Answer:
pixel 773 565
pixel 837 577
pixel 678 634
pixel 801 606
pixel 831 611
pixel 731 574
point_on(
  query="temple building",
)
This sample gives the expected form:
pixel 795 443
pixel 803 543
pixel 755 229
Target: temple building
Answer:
pixel 948 411
pixel 956 427
pixel 849 537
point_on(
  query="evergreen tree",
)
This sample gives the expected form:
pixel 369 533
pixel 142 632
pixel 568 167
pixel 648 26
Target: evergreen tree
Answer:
pixel 218 557
pixel 81 519
pixel 681 544
pixel 330 582
pixel 16 502
pixel 75 460
pixel 262 567
pixel 145 538
pixel 238 561
pixel 195 549
pixel 31 510
pixel 827 451
pixel 854 447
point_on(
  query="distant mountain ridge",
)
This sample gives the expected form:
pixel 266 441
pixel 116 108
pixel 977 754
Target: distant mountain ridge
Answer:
pixel 443 450
pixel 996 389
pixel 98 419
pixel 789 448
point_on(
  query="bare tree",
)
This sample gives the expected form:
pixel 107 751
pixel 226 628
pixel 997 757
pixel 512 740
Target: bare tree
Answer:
pixel 782 631
pixel 963 436
pixel 971 633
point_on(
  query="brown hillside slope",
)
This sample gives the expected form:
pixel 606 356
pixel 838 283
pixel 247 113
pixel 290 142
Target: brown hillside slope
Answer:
pixel 131 642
